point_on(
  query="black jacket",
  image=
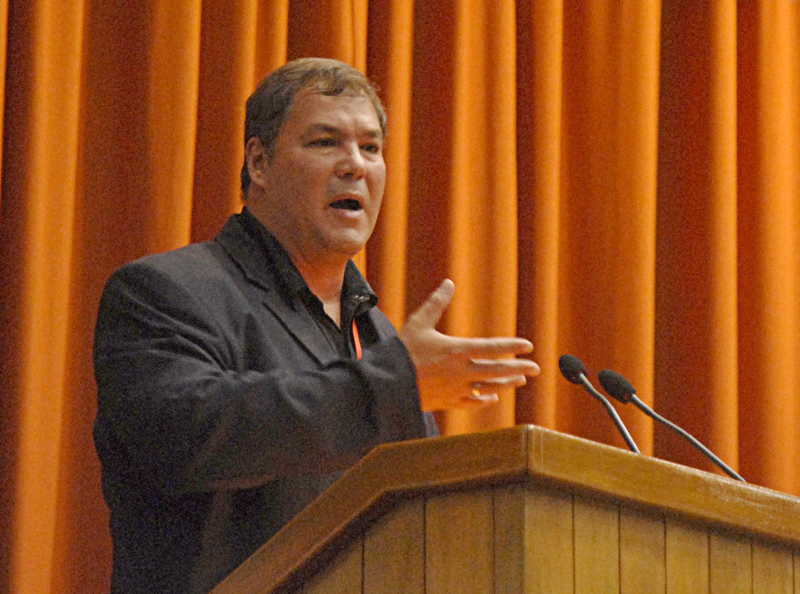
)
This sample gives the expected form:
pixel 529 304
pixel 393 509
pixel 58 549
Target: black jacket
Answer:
pixel 223 410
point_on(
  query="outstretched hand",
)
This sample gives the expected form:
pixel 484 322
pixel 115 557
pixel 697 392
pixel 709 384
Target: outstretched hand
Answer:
pixel 461 372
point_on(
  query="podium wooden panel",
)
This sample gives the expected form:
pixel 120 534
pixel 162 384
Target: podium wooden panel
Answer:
pixel 529 511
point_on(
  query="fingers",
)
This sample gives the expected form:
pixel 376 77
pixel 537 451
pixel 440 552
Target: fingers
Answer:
pixel 499 368
pixel 481 400
pixel 456 391
pixel 490 385
pixel 490 347
pixel 454 372
pixel 485 392
pixel 431 311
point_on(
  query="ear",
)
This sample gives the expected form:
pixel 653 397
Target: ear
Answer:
pixel 257 158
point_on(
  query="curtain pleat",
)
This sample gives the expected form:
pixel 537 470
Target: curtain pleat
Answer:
pixel 227 75
pixel 608 205
pixel 540 29
pixel 3 50
pixel 696 329
pixel 390 66
pixel 482 200
pixel 42 108
pixel 615 180
pixel 769 206
pixel 462 194
pixel 172 89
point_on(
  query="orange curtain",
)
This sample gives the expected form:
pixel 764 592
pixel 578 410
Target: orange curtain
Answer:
pixel 616 180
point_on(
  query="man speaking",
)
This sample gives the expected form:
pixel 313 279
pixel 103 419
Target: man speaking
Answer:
pixel 239 377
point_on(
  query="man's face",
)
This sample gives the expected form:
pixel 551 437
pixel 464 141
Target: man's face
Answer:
pixel 323 185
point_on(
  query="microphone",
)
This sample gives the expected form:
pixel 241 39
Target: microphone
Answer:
pixel 574 370
pixel 621 389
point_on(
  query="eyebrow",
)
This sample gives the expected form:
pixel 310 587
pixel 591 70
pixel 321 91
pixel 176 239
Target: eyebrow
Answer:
pixel 371 132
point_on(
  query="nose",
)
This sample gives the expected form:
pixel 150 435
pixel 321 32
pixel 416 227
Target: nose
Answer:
pixel 351 164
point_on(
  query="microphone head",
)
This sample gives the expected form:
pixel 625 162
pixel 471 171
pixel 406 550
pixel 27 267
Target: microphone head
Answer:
pixel 571 367
pixel 616 385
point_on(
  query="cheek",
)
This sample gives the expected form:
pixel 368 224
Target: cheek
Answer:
pixel 304 184
pixel 377 183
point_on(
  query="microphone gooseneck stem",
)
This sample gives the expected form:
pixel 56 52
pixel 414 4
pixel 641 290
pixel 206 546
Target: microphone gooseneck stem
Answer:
pixel 611 411
pixel 706 452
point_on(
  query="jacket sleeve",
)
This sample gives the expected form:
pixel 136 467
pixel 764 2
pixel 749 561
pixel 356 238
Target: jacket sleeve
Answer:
pixel 180 410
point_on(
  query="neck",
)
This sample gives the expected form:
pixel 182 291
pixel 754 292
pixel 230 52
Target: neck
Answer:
pixel 326 282
pixel 324 274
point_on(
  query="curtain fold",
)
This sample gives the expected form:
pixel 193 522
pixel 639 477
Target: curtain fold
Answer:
pixel 171 116
pixel 619 181
pixel 390 66
pixel 462 191
pixel 481 201
pixel 41 122
pixel 606 234
pixel 229 44
pixel 696 307
pixel 540 29
pixel 3 50
pixel 769 179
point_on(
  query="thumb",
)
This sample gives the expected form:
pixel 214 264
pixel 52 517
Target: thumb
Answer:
pixel 431 311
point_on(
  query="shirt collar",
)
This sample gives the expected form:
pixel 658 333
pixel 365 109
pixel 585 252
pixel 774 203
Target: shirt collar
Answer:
pixel 355 290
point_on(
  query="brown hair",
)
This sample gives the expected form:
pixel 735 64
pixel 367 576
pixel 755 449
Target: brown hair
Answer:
pixel 270 104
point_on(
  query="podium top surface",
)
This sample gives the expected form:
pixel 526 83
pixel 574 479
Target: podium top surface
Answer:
pixel 525 455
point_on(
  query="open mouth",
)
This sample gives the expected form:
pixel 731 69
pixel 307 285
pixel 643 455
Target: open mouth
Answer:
pixel 346 204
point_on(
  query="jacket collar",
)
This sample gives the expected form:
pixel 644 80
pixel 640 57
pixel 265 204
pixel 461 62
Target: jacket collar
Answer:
pixel 265 263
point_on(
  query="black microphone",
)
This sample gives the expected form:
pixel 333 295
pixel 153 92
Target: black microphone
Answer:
pixel 574 370
pixel 621 389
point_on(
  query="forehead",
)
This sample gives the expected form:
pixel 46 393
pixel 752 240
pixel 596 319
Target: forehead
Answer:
pixel 347 111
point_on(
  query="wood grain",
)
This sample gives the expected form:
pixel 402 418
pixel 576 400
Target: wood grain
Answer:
pixel 368 490
pixel 642 553
pixel 796 571
pixel 730 567
pixel 773 569
pixel 533 541
pixel 687 561
pixel 343 575
pixel 394 552
pixel 596 547
pixel 549 542
pixel 509 539
pixel 657 484
pixel 459 543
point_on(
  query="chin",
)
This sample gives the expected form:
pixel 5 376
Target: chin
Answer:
pixel 347 245
pixel 352 249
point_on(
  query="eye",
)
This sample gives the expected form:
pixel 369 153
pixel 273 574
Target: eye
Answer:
pixel 327 141
pixel 371 147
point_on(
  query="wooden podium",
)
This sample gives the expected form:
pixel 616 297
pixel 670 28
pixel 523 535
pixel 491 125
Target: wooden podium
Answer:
pixel 527 510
